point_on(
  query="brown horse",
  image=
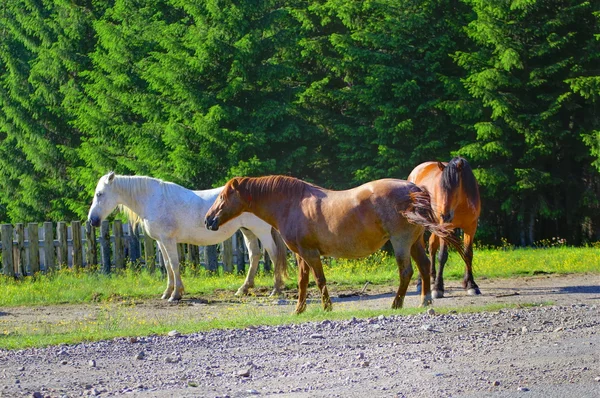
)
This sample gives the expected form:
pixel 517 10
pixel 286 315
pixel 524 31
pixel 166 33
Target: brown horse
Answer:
pixel 455 200
pixel 354 223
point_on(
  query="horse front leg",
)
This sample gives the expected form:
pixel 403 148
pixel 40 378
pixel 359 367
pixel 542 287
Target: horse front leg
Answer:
pixel 280 261
pixel 468 281
pixel 173 260
pixel 302 284
pixel 317 269
pixel 170 278
pixel 254 256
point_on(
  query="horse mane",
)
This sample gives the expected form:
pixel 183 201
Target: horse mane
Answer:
pixel 137 186
pixel 452 174
pixel 261 187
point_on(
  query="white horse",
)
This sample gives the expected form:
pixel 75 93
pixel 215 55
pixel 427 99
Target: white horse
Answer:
pixel 171 214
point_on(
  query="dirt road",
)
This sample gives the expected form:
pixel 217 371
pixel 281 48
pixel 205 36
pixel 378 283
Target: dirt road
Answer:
pixel 541 351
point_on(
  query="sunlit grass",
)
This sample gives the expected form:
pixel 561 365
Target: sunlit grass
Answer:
pixel 120 321
pixel 70 286
pixel 118 295
pixel 487 263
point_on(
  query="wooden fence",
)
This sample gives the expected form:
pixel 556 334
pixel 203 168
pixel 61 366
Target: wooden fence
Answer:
pixel 29 249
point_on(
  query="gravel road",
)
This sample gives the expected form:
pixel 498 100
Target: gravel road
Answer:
pixel 540 351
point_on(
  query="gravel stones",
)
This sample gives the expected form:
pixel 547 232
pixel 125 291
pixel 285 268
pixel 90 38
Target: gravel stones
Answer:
pixel 478 353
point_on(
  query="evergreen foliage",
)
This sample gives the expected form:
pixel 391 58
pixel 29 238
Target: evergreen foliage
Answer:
pixel 335 92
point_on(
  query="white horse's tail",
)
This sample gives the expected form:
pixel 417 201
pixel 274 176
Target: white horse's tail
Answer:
pixel 281 264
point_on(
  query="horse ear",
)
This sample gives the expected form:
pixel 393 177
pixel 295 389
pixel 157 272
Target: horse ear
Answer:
pixel 441 166
pixel 111 176
pixel 235 183
pixel 459 164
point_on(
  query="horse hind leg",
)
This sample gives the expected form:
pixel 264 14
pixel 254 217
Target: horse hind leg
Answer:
pixel 405 270
pixel 280 261
pixel 254 256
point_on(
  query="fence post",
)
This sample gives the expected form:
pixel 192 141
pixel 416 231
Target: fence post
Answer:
pixel 149 253
pixel 91 249
pixel 34 250
pixel 268 264
pixel 49 250
pixel 119 246
pixel 193 255
pixel 161 262
pixel 228 255
pixel 77 253
pixel 20 232
pixel 181 256
pixel 134 243
pixel 211 258
pixel 63 248
pixel 241 261
pixel 105 246
pixel 7 249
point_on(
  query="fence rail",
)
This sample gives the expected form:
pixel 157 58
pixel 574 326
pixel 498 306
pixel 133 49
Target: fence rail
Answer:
pixel 28 249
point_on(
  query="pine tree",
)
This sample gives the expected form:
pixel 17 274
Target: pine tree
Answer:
pixel 529 143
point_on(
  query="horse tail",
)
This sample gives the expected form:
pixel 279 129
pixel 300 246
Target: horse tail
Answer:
pixel 421 213
pixel 281 264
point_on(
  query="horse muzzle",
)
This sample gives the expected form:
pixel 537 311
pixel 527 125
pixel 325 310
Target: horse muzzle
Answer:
pixel 211 223
pixel 94 221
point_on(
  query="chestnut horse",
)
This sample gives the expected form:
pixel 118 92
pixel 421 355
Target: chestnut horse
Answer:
pixel 455 200
pixel 354 223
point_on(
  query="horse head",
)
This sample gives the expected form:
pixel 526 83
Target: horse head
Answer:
pixel 451 182
pixel 105 201
pixel 228 205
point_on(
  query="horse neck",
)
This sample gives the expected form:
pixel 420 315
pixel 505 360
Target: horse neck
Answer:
pixel 271 206
pixel 131 191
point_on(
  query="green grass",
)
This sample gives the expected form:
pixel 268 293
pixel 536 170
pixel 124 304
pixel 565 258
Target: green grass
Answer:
pixel 116 321
pixel 67 286
pixel 116 295
pixel 487 263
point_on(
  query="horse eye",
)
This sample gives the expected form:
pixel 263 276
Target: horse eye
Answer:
pixel 98 194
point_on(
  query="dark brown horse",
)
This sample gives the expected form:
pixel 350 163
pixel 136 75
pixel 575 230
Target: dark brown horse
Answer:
pixel 318 222
pixel 455 200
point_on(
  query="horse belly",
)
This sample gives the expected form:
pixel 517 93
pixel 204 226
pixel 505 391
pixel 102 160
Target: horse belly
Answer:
pixel 354 239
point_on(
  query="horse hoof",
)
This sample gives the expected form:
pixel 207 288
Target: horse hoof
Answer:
pixel 473 292
pixel 276 293
pixel 174 299
pixel 437 294
pixel 241 292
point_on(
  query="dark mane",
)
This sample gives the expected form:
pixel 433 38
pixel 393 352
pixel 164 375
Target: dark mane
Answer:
pixel 452 175
pixel 260 187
